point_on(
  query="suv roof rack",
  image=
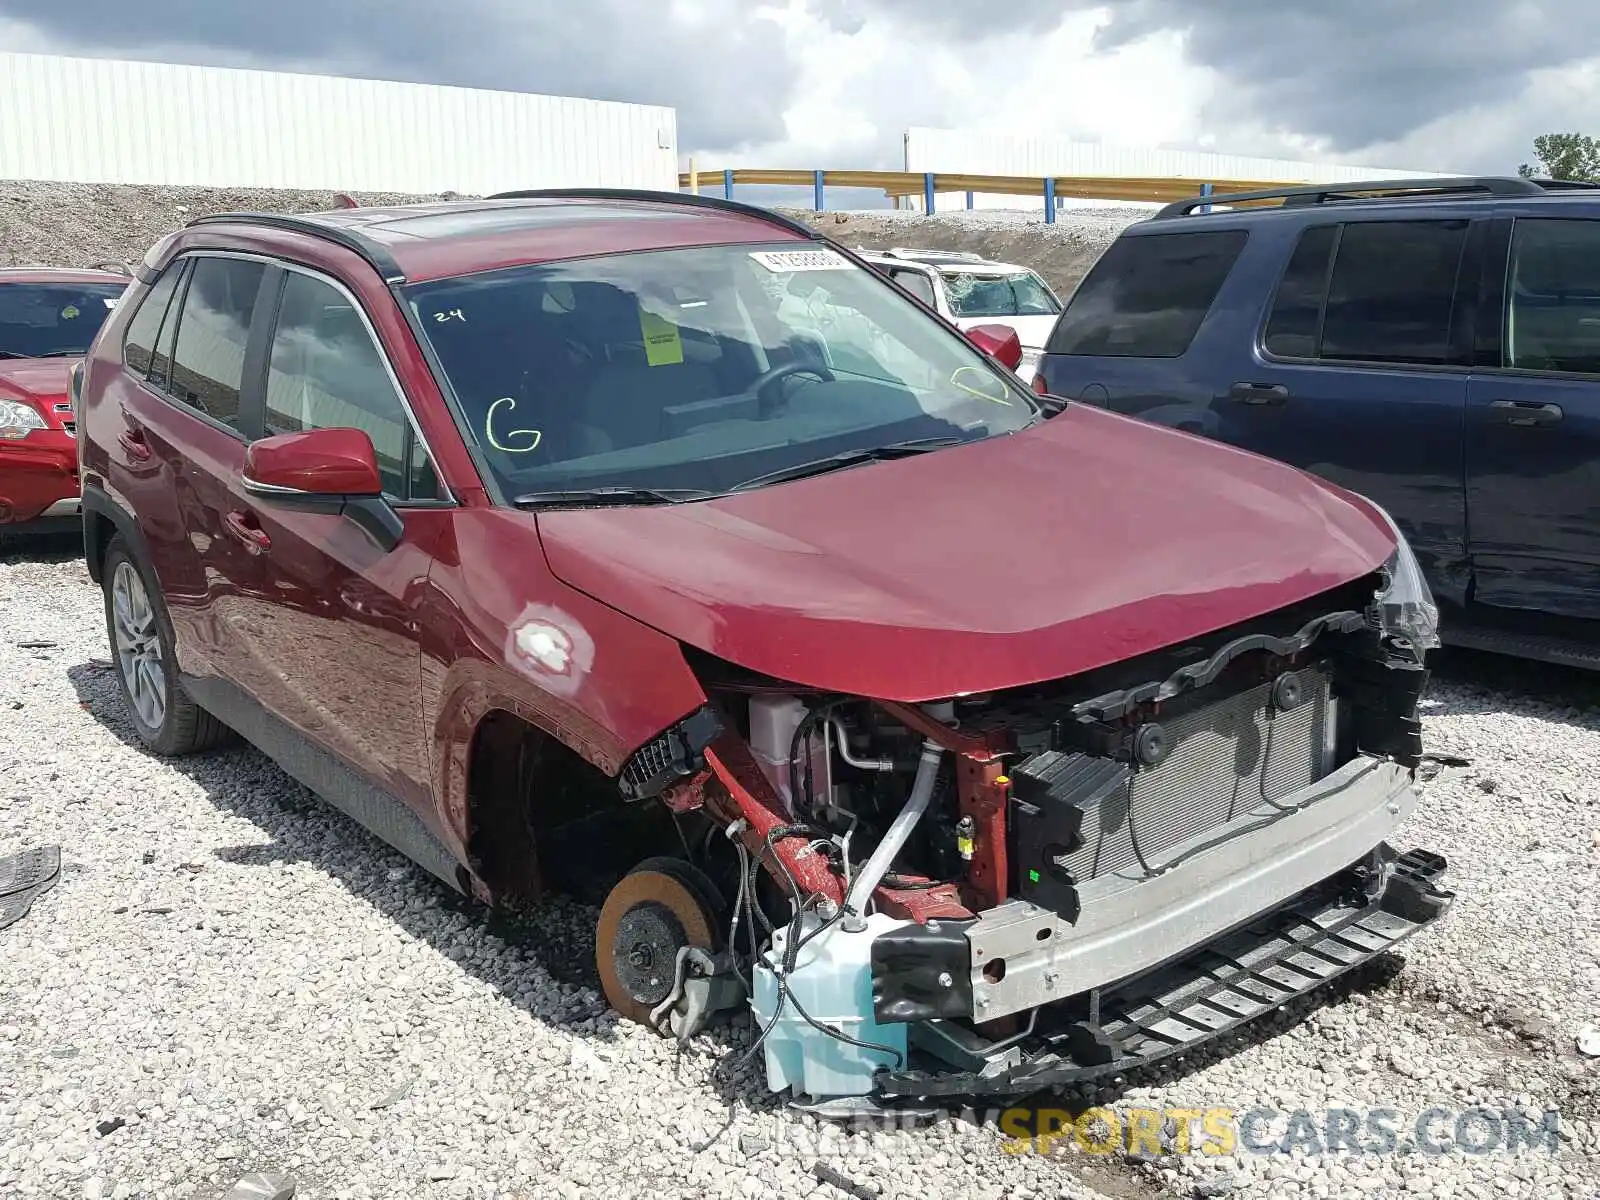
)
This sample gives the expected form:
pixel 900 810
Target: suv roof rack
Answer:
pixel 645 195
pixel 376 254
pixel 1455 186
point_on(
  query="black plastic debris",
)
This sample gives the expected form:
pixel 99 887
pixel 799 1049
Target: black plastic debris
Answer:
pixel 24 877
pixel 107 1128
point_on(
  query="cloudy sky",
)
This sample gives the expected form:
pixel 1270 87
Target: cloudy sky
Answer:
pixel 1452 85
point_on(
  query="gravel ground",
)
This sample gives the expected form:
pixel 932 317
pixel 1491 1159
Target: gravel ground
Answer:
pixel 247 981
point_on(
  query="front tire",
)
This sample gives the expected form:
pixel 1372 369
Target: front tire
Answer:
pixel 166 720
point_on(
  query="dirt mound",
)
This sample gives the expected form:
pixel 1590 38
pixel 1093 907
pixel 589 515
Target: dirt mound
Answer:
pixel 1062 252
pixel 81 225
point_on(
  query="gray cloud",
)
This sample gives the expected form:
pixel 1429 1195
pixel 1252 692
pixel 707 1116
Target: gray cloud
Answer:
pixel 727 72
pixel 1355 73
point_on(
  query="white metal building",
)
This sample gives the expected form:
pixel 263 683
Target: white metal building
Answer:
pixel 970 152
pixel 104 121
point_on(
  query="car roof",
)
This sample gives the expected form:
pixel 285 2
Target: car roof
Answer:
pixel 418 242
pixel 942 260
pixel 60 275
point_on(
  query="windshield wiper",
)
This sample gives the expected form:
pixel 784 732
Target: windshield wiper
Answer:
pixel 605 496
pixel 14 354
pixel 848 458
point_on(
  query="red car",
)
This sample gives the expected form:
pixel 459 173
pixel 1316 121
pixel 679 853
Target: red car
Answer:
pixel 656 548
pixel 48 318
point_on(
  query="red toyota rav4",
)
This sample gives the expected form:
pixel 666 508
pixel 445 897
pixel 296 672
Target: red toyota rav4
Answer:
pixel 48 318
pixel 656 548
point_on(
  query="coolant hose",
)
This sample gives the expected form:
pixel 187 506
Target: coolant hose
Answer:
pixel 883 857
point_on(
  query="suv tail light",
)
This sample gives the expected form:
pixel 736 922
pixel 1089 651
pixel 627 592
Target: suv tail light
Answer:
pixel 1039 385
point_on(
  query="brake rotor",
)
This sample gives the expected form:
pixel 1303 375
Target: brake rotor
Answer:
pixel 659 907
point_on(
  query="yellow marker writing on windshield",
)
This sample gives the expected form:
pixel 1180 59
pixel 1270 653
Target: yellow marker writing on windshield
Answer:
pixel 524 434
pixel 662 345
pixel 955 381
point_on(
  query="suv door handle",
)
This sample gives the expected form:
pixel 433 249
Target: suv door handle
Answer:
pixel 244 528
pixel 1523 413
pixel 1258 393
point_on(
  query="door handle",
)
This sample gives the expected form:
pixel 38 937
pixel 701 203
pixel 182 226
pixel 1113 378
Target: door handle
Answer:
pixel 1525 413
pixel 1259 393
pixel 244 528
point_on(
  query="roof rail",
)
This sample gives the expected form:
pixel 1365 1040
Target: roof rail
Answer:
pixel 911 253
pixel 648 196
pixel 1464 186
pixel 376 254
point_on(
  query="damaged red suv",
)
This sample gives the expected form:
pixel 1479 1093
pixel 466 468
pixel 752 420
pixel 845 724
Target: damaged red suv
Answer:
pixel 48 318
pixel 656 549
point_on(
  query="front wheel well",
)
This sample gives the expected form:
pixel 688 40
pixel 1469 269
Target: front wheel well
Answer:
pixel 542 818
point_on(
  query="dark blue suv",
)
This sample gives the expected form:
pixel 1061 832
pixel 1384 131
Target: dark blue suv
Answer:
pixel 1431 344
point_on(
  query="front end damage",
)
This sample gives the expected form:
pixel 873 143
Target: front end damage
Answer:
pixel 998 893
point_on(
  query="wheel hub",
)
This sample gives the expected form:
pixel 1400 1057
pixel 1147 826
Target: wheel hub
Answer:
pixel 645 951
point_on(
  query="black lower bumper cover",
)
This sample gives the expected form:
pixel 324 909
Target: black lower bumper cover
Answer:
pixel 1286 953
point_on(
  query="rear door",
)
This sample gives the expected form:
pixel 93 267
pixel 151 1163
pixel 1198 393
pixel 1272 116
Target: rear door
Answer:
pixel 1358 373
pixel 181 433
pixel 1533 420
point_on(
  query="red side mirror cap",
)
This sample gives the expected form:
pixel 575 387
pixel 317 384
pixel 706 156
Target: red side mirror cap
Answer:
pixel 999 342
pixel 318 462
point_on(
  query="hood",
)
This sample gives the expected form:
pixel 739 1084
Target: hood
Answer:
pixel 1032 331
pixel 40 383
pixel 1082 541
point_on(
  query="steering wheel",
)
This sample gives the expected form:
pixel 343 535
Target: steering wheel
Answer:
pixel 764 386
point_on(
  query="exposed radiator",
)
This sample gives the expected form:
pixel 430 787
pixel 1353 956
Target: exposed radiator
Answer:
pixel 1224 760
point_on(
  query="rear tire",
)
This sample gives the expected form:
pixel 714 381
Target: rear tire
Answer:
pixel 140 632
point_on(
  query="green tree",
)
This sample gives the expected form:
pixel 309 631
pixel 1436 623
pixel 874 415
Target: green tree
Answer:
pixel 1565 156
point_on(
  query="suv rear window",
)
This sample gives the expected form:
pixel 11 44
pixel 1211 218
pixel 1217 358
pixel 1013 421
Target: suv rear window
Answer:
pixel 1388 298
pixel 1147 295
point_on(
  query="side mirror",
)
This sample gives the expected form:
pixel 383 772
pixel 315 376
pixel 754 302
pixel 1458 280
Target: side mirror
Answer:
pixel 999 342
pixel 323 470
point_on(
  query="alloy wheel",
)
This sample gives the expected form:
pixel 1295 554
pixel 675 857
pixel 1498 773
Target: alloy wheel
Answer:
pixel 138 646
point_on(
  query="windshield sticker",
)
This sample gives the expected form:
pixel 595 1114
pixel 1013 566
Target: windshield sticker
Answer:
pixel 69 313
pixel 782 261
pixel 663 347
pixel 978 389
pixel 111 301
pixel 530 438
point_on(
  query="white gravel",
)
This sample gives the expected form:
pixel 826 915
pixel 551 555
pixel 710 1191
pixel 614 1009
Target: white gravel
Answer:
pixel 251 983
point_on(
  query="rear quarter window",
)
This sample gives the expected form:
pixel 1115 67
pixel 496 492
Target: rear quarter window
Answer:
pixel 1147 295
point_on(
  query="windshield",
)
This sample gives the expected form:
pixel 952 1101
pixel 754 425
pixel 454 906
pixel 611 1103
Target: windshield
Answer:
pixel 1020 295
pixel 47 320
pixel 700 368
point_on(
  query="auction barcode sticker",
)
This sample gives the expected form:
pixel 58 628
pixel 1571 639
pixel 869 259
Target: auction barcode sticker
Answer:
pixel 802 260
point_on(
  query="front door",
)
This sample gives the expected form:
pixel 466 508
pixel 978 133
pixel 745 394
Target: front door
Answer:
pixel 333 616
pixel 1533 426
pixel 1360 375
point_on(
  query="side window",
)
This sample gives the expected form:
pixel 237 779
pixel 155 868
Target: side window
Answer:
pixel 918 284
pixel 208 358
pixel 1391 292
pixel 326 372
pixel 139 343
pixel 161 364
pixel 1147 295
pixel 1296 320
pixel 1553 297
